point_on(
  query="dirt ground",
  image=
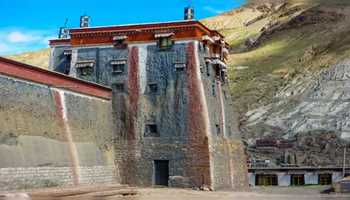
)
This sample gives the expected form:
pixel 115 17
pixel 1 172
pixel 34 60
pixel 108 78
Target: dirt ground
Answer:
pixel 127 193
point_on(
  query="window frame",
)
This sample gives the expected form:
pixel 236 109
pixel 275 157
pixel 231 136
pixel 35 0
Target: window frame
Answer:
pixel 118 63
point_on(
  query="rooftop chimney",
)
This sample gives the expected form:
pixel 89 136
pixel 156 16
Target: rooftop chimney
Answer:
pixel 84 21
pixel 189 13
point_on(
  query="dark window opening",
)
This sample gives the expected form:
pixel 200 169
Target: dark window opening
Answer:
pixel 180 67
pixel 119 41
pixel 118 66
pixel 207 65
pixel 218 130
pixel 217 71
pixel 153 88
pixel 213 90
pixel 151 130
pixel 68 63
pixel 161 172
pixel 165 43
pixel 266 180
pixel 85 68
pixel 325 179
pixel 119 87
pixel 118 69
pixel 297 179
pixel 85 71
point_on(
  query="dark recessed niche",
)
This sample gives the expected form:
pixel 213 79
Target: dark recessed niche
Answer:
pixel 151 130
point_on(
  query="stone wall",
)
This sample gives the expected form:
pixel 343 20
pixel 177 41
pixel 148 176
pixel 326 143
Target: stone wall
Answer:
pixel 41 177
pixel 184 108
pixel 50 136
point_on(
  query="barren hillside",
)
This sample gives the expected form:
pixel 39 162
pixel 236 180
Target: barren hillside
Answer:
pixel 289 68
pixel 38 58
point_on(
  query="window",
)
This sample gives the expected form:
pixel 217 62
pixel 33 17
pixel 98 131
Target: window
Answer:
pixel 85 68
pixel 218 130
pixel 165 43
pixel 119 41
pixel 151 130
pixel 85 71
pixel 68 58
pixel 165 40
pixel 217 71
pixel 180 67
pixel 153 88
pixel 325 179
pixel 67 52
pixel 118 66
pixel 207 65
pixel 119 87
pixel 213 90
pixel 266 180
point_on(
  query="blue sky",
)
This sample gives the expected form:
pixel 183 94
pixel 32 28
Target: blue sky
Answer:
pixel 26 25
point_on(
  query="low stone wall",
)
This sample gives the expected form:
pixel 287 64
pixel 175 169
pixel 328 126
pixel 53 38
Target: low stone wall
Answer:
pixel 40 177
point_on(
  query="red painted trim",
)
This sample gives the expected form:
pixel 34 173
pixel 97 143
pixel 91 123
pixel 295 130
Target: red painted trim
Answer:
pixel 140 26
pixel 59 41
pixel 53 79
pixel 101 35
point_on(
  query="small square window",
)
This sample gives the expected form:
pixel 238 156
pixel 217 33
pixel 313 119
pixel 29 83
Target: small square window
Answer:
pixel 119 41
pixel 165 42
pixel 180 67
pixel 85 71
pixel 119 87
pixel 151 130
pixel 153 88
pixel 118 66
pixel 85 68
pixel 118 69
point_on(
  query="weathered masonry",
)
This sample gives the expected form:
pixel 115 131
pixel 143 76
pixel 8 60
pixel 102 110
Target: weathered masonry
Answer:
pixel 54 129
pixel 172 107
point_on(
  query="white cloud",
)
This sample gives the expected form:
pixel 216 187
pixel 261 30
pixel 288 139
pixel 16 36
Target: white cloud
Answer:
pixel 212 10
pixel 17 40
pixel 19 37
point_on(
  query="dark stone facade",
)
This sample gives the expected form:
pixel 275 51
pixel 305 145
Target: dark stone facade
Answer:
pixel 168 105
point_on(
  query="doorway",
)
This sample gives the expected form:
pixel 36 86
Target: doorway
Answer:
pixel 297 180
pixel 161 172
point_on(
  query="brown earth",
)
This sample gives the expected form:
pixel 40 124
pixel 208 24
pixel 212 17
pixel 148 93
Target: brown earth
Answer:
pixel 125 193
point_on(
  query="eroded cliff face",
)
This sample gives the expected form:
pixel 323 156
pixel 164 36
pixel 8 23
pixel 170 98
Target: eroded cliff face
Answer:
pixel 312 113
pixel 289 67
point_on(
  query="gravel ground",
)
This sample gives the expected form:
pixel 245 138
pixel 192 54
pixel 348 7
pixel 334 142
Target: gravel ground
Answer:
pixel 127 193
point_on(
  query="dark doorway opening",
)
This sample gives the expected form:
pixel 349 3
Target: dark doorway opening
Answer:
pixel 161 172
pixel 297 179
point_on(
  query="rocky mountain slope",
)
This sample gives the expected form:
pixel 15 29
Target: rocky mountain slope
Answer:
pixel 290 77
pixel 290 64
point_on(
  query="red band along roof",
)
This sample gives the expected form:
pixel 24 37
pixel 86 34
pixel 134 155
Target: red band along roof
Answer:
pixel 53 79
pixel 137 32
